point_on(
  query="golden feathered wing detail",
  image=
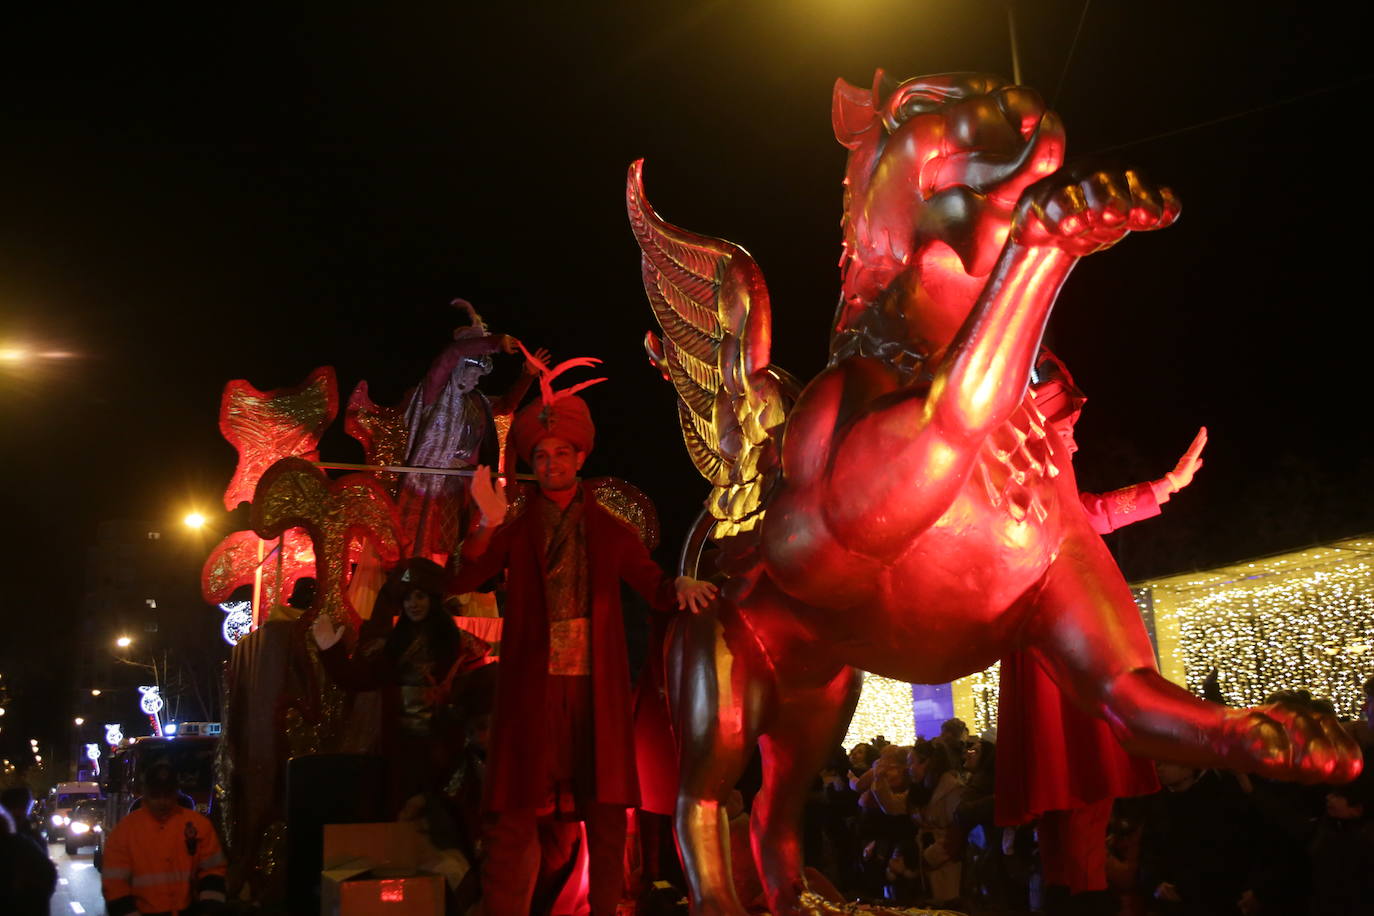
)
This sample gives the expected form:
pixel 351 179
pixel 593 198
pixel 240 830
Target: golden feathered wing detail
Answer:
pixel 710 300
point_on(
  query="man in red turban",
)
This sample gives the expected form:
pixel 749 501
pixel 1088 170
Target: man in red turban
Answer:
pixel 1066 767
pixel 568 419
pixel 561 748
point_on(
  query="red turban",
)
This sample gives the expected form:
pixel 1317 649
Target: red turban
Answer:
pixel 568 418
pixel 1056 396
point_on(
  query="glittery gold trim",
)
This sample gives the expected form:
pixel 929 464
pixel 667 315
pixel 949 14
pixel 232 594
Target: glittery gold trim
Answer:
pixel 1124 501
pixel 570 646
pixel 629 504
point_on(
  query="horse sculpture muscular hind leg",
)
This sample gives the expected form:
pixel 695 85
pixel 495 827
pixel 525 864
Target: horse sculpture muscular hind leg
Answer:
pixel 907 513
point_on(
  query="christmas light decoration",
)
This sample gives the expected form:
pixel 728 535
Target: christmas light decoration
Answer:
pixel 1301 620
pixel 885 708
pixel 238 620
pixel 150 702
pixel 975 698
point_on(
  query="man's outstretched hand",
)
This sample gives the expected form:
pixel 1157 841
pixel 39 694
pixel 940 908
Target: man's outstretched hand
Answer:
pixel 537 362
pixel 489 496
pixel 693 594
pixel 1183 472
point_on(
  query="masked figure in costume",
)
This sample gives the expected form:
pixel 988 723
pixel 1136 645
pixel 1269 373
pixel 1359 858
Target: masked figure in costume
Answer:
pixel 561 748
pixel 451 424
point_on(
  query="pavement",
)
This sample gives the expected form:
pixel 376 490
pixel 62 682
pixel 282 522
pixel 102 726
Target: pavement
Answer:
pixel 78 883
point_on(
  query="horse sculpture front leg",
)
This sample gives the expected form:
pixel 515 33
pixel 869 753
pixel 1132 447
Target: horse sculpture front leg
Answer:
pixel 719 690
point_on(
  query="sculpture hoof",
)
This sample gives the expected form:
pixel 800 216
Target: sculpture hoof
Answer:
pixel 812 904
pixel 1293 743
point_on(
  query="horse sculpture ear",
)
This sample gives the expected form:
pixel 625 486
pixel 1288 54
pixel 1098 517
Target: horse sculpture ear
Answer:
pixel 852 113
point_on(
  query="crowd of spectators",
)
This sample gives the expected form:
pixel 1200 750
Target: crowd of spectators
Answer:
pixel 913 826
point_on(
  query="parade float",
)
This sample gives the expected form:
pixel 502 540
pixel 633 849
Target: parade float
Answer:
pixel 912 511
pixel 340 536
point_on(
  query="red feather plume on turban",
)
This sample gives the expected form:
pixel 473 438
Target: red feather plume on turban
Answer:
pixel 557 413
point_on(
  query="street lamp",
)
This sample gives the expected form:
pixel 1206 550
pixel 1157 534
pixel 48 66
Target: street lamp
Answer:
pixel 79 721
pixel 18 353
pixel 95 691
pixel 194 520
pixel 124 642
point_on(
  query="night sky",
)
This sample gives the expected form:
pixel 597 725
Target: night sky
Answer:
pixel 192 196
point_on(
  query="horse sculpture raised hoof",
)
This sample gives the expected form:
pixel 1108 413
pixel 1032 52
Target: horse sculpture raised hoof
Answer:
pixel 907 512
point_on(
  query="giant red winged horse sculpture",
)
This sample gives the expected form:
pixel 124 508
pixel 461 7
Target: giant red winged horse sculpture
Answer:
pixel 907 513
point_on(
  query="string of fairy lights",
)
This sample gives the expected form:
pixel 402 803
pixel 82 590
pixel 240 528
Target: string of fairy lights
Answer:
pixel 983 692
pixel 885 708
pixel 1300 620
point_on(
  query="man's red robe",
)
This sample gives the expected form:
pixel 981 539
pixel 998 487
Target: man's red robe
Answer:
pixel 615 554
pixel 1060 763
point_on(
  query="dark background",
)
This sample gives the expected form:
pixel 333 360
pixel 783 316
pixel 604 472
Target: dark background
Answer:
pixel 193 195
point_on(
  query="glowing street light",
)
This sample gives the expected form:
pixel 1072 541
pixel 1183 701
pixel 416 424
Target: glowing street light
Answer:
pixel 18 353
pixel 124 642
pixel 95 691
pixel 79 721
pixel 194 520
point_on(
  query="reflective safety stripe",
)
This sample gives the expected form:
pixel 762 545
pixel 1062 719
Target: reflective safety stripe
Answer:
pixel 167 877
pixel 116 874
pixel 213 861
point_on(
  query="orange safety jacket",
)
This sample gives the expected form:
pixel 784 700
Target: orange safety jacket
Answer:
pixel 162 867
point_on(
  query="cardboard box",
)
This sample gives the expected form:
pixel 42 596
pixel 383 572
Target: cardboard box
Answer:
pixel 375 870
pixel 416 895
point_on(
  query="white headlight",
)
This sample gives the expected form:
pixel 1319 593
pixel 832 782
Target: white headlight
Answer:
pixel 80 827
pixel 58 820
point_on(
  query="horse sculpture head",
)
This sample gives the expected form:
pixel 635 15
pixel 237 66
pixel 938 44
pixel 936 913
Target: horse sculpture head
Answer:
pixel 936 166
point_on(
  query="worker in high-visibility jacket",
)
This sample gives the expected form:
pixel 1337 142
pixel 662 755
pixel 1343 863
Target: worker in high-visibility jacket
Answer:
pixel 163 858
